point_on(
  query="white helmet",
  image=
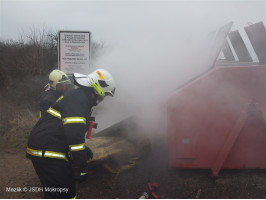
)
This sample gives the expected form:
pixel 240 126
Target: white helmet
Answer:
pixel 100 80
pixel 57 76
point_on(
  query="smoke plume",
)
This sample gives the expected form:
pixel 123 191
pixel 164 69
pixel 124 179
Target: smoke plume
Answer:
pixel 156 48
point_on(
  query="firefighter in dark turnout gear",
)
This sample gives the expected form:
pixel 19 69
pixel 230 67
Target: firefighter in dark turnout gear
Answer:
pixel 55 88
pixel 56 144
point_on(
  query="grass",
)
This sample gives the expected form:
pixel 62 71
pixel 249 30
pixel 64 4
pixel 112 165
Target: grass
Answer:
pixel 15 124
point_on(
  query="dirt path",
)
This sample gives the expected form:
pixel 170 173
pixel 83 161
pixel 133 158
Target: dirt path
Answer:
pixel 17 174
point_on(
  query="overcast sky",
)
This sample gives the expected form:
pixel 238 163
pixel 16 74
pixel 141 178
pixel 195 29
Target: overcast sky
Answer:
pixel 122 19
pixel 153 46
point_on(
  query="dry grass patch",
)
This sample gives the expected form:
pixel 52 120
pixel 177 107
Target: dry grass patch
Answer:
pixel 15 124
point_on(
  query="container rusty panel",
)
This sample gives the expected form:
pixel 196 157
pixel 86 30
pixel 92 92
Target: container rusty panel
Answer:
pixel 257 36
pixel 228 144
pixel 239 46
pixel 249 148
pixel 204 119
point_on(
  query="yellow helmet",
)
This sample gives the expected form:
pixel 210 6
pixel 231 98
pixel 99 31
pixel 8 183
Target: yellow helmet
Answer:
pixel 57 76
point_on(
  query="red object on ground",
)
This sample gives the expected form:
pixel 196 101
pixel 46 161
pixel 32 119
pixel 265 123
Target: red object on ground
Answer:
pixel 218 120
pixel 151 189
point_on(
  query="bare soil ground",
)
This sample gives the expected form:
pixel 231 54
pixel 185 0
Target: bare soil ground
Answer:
pixel 17 172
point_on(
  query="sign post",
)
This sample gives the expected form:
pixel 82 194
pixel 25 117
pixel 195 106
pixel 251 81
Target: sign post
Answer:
pixel 74 51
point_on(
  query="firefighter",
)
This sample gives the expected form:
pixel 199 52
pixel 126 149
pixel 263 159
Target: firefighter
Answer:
pixel 57 85
pixel 56 145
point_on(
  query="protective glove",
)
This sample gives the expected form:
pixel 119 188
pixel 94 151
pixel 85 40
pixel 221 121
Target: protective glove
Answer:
pixel 89 153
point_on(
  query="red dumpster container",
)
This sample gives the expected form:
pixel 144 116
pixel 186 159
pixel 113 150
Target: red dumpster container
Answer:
pixel 217 121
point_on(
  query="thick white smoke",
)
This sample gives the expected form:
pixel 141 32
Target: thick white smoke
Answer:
pixel 157 50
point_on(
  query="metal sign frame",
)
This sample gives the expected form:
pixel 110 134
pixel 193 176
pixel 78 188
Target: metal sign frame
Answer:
pixel 74 51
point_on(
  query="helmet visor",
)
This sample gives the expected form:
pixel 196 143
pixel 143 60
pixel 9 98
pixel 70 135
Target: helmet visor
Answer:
pixel 64 80
pixel 110 93
pixel 80 79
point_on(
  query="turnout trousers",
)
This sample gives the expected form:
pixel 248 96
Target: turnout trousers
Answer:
pixel 56 177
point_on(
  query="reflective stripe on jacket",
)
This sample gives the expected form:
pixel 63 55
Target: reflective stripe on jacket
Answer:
pixel 62 129
pixel 48 99
pixel 47 154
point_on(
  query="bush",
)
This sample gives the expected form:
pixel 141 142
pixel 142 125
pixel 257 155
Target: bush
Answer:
pixel 35 54
pixel 15 125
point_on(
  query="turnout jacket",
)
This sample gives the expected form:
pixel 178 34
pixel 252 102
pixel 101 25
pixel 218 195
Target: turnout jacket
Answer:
pixel 48 99
pixel 60 132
